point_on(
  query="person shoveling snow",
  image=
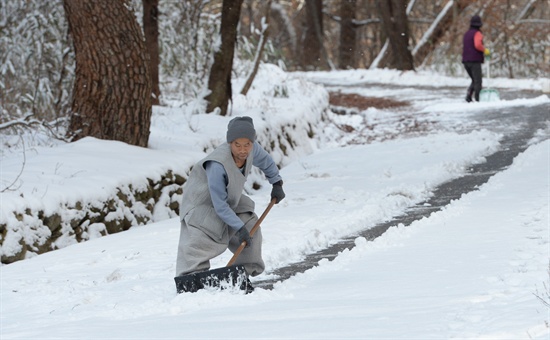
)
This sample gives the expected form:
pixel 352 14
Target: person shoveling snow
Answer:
pixel 473 55
pixel 216 215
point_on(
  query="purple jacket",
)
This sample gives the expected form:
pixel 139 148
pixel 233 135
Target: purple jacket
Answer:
pixel 469 51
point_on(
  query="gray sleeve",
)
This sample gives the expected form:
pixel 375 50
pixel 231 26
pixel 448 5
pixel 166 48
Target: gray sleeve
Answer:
pixel 217 185
pixel 264 161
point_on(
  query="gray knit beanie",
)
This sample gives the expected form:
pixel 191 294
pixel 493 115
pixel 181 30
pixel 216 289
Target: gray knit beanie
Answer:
pixel 240 127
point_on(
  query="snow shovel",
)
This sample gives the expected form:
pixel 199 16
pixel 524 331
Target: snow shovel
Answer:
pixel 230 275
pixel 489 95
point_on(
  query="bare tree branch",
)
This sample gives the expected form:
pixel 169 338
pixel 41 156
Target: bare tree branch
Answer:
pixel 259 51
pixel 25 121
pixel 9 187
pixel 28 122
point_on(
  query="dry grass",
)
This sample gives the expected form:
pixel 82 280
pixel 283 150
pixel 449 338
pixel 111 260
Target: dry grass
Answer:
pixel 352 100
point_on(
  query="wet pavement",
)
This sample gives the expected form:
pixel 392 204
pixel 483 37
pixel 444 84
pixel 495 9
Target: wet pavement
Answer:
pixel 517 124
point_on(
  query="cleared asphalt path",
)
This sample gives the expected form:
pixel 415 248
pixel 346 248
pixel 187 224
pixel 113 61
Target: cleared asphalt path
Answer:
pixel 517 124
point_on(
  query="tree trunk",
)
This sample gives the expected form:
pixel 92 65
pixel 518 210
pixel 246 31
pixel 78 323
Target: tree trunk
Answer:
pixel 395 25
pixel 219 81
pixel 311 42
pixel 151 32
pixel 112 91
pixel 347 34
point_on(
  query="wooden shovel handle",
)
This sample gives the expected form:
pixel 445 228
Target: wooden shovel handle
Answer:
pixel 252 232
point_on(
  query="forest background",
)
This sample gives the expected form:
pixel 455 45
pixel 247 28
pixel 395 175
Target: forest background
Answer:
pixel 38 66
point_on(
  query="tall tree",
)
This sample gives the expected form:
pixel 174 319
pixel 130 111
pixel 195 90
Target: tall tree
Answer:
pixel 112 91
pixel 312 36
pixel 219 81
pixel 347 34
pixel 151 32
pixel 396 27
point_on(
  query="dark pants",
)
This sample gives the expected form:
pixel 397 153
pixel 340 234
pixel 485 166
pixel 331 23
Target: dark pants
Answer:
pixel 474 71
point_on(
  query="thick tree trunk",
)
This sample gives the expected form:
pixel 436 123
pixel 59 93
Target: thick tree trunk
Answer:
pixel 396 27
pixel 347 34
pixel 112 91
pixel 312 35
pixel 219 81
pixel 151 32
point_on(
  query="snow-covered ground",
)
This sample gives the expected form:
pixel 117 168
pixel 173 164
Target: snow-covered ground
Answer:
pixel 476 269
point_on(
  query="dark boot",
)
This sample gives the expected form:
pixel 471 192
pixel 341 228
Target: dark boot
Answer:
pixel 469 93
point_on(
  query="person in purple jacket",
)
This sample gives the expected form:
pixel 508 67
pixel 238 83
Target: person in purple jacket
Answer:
pixel 473 53
pixel 214 213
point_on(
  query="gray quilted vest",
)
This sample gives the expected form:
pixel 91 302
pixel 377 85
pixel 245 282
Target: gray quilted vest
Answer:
pixel 196 196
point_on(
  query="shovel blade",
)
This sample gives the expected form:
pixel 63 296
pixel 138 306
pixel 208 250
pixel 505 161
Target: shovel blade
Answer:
pixel 489 95
pixel 232 276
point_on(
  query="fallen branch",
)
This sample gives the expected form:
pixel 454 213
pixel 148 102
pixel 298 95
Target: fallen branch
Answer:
pixel 25 121
pixel 28 122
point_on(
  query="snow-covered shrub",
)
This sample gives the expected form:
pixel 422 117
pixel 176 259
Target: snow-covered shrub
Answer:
pixel 36 61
